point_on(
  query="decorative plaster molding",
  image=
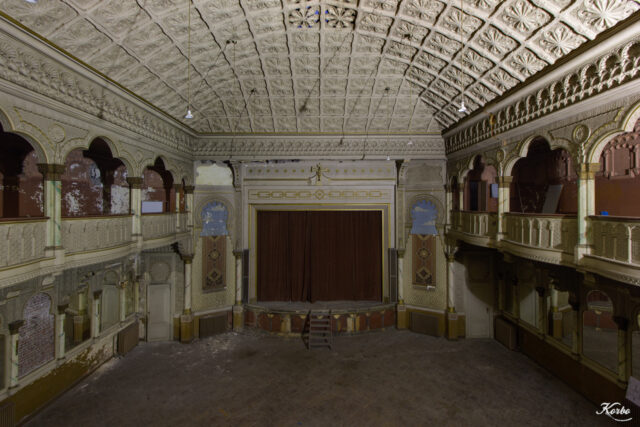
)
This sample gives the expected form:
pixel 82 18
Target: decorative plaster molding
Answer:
pixel 621 65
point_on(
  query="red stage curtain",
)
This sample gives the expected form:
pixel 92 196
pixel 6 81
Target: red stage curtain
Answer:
pixel 319 255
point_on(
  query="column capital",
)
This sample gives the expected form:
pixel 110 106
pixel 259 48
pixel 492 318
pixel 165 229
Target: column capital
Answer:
pixel 177 187
pixel 238 253
pixel 188 189
pixel 123 284
pixel 588 170
pixel 15 326
pixel 51 171
pixel 188 259
pixel 62 308
pixel 134 181
pixel 505 181
pixel 97 294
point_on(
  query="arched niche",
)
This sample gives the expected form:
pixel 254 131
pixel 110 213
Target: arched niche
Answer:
pixel 561 321
pixel 77 322
pixel 21 183
pixel 214 216
pixel 481 187
pixel 94 182
pixel 424 241
pixel 158 193
pixel 37 334
pixel 618 181
pixel 599 331
pixel 544 181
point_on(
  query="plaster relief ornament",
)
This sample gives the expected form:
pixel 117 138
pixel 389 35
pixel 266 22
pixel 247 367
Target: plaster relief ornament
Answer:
pixel 339 17
pixel 603 14
pixel 560 40
pixel 524 17
pixel 495 42
pixel 425 10
pixel 526 63
pixel 304 17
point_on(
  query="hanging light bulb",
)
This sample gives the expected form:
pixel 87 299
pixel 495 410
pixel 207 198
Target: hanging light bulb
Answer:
pixel 188 115
pixel 31 1
pixel 410 143
pixel 388 157
pixel 463 108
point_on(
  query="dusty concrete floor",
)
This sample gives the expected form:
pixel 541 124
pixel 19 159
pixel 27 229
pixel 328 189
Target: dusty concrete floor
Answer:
pixel 391 378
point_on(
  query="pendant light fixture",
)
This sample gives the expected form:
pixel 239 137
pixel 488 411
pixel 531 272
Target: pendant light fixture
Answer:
pixel 189 115
pixel 463 108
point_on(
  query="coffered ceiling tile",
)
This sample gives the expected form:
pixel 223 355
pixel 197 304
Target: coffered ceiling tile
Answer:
pixel 43 17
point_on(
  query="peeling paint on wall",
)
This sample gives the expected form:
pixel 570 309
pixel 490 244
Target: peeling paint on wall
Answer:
pixel 213 174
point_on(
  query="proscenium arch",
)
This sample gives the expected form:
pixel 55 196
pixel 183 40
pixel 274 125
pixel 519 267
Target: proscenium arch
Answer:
pixel 7 127
pixel 627 124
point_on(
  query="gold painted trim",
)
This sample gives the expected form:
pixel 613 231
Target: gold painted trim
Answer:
pixel 24 221
pixel 15 266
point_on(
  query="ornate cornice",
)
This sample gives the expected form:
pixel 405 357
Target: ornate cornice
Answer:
pixel 313 146
pixel 35 66
pixel 611 69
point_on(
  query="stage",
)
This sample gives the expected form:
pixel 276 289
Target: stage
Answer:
pixel 290 318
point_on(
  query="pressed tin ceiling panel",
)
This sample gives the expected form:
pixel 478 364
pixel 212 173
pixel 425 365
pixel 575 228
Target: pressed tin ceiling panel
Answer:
pixel 319 66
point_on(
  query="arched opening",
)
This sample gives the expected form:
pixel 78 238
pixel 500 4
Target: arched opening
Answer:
pixel 36 340
pixel 618 181
pixel 455 192
pixel 481 188
pixel 599 331
pixel 76 322
pixel 158 193
pixel 94 183
pixel 182 206
pixel 544 181
pixel 21 186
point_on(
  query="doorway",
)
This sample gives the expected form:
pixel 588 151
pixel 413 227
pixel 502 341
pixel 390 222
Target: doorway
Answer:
pixel 160 327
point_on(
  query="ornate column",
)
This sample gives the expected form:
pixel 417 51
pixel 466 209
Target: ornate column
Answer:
pixel 586 206
pixel 60 335
pixel 555 317
pixel 95 314
pixel 238 309
pixel 14 329
pixel 53 203
pixel 177 188
pixel 186 320
pixel 402 321
pixel 448 203
pixel 135 204
pixel 576 334
pixel 452 316
pixel 623 362
pixel 504 195
pixel 122 299
pixel 542 310
pixel 188 204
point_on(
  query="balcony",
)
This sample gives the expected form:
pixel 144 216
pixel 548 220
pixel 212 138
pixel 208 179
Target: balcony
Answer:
pixel 476 227
pixel 22 241
pixel 182 222
pixel 544 237
pixel 84 234
pixel 615 247
pixel 155 226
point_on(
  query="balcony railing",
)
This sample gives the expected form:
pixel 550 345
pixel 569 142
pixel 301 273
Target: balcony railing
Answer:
pixel 481 224
pixel 542 231
pixel 97 232
pixel 182 222
pixel 615 238
pixel 22 241
pixel 158 225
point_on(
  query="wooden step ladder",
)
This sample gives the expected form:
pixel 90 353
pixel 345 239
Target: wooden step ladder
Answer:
pixel 319 329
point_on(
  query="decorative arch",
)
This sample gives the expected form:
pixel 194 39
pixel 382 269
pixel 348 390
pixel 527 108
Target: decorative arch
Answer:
pixel 8 127
pixel 116 152
pixel 627 124
pixel 216 199
pixel 521 152
pixel 214 217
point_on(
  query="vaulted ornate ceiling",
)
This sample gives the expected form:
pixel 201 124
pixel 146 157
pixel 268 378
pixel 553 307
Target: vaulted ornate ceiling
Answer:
pixel 353 66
